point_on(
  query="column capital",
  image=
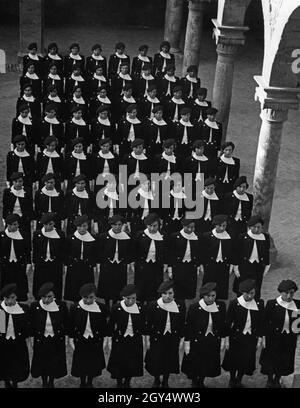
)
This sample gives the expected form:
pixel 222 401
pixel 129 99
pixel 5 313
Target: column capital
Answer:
pixel 198 5
pixel 276 98
pixel 228 35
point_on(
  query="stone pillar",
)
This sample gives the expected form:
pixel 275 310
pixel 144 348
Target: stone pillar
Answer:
pixel 275 103
pixel 31 23
pixel 173 21
pixel 193 33
pixel 228 40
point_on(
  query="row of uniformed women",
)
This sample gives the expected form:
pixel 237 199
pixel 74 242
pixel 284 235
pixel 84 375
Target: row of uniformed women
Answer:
pixel 205 331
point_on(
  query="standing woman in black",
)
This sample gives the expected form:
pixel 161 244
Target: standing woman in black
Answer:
pixel 278 357
pixel 49 327
pixel 162 59
pixel 14 358
pixel 204 337
pixel 53 57
pixel 165 327
pixel 88 327
pixel 95 61
pixel 245 327
pixel 126 327
pixel 211 133
pixel 74 58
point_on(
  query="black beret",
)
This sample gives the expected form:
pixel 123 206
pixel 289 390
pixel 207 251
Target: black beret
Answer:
pixel 104 141
pixel 96 46
pixel 202 91
pixel 16 175
pixel 137 142
pixel 207 288
pixel 52 88
pixel 209 181
pixel 164 286
pixel 247 285
pixel 151 218
pixel 19 138
pixel 53 64
pixel 116 218
pixel 45 289
pixel 49 140
pixel 23 107
pixel 127 87
pixel 255 219
pixel 131 107
pixel 102 108
pixel 48 217
pixel 177 88
pixel 27 86
pixel 128 290
pixel 165 43
pixel 143 47
pixel 169 142
pixel 87 289
pixel 74 45
pixel 151 88
pixel 286 285
pixel 124 64
pixel 119 45
pixel 76 108
pixel 77 141
pixel 157 108
pixel 170 67
pixel 185 111
pixel 50 106
pixel 80 220
pixel 8 290
pixel 211 111
pixel 52 45
pixel 78 178
pixel 100 88
pixel 198 143
pixel 32 45
pixel 219 219
pixel 192 68
pixel 227 144
pixel 11 218
pixel 48 176
pixel 187 221
pixel 240 180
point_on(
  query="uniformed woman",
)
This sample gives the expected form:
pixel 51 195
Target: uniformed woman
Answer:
pixel 126 327
pixel 24 125
pixel 117 59
pixel 278 357
pixel 245 327
pixel 140 60
pixel 211 206
pixel 14 351
pixel 165 327
pixel 74 58
pixel 204 336
pixel 88 327
pixel 50 161
pixel 211 133
pixel 95 61
pixel 49 328
pixel 53 57
pixel 156 132
pixel 163 58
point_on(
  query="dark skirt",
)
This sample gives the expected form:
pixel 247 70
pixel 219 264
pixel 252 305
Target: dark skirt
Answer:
pixel 250 271
pixel 14 359
pixel 235 228
pixel 126 358
pixel 88 357
pixel 49 357
pixel 279 355
pixel 48 272
pixel 77 275
pixel 163 355
pixel 185 280
pixel 218 272
pixel 203 359
pixel 13 272
pixel 241 355
pixel 223 188
pixel 112 279
pixel 147 278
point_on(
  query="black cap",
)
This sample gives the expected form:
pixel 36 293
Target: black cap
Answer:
pixel 185 111
pixel 19 138
pixel 116 218
pixel 80 220
pixel 187 221
pixel 11 218
pixel 209 181
pixel 198 143
pixel 49 140
pixel 48 217
pixel 255 219
pixel 104 141
pixel 78 178
pixel 137 142
pixel 48 176
pixel 202 91
pixel 16 175
pixel 32 46
pixel 96 46
pixel 143 47
pixel 247 285
pixel 177 88
pixel 165 43
pixel 87 289
pixel 151 218
pixel 77 141
pixel 192 68
pixel 8 290
pixel 119 45
pixel 102 108
pixel 52 45
pixel 211 111
pixel 240 180
pixel 157 108
pixel 131 107
pixel 219 219
pixel 286 285
pixel 73 45
pixel 169 142
pixel 227 144
pixel 207 288
pixel 45 289
pixel 128 290
pixel 164 286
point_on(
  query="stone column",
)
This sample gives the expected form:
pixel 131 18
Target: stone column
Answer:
pixel 229 40
pixel 31 25
pixel 173 21
pixel 275 103
pixel 193 33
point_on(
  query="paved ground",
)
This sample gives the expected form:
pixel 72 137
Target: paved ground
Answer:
pixel 243 130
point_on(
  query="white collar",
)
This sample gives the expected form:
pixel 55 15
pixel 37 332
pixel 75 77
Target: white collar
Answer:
pixel 25 121
pixel 54 98
pixel 212 125
pixel 111 194
pixel 180 195
pixel 147 77
pixel 130 309
pixel 135 121
pixel 227 160
pixel 52 307
pixel 16 309
pixel 188 124
pixel 171 158
pixel 287 305
pixel 79 156
pixel 258 237
pixel 212 196
pixel 194 80
pixel 54 121
pixel 100 77
pixel 50 154
pixel 105 100
pixel 55 77
pixel 221 235
pixel 94 307
pixel 177 101
pixel 33 56
pixel 21 154
pixel 143 58
pixel 190 237
pixel 97 57
pixel 80 194
pixel 79 122
pixel 54 57
pixel 168 307
pixel 126 77
pixel 145 194
pixel 75 57
pixel 129 100
pixel 138 156
pixel 201 103
pixel 105 122
pixel 50 193
pixel 199 158
pixel 251 305
pixel 18 193
pixel 165 55
pixel 87 237
pixel 159 122
pixel 170 78
pixel 208 308
pixel 106 156
pixel 80 100
pixel 29 98
pixel 31 76
pixel 156 237
pixel 152 100
pixel 123 56
pixel 242 197
pixel 122 235
pixel 50 234
pixel 13 235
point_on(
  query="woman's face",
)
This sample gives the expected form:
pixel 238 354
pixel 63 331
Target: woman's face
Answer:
pixel 199 150
pixel 186 117
pixel 77 115
pixel 168 295
pixel 78 92
pixel 53 51
pixel 51 114
pixel 169 150
pixel 248 296
pixel 241 188
pixel 112 186
pixel 28 91
pixel 210 189
pixel 210 298
pixel 49 298
pixel 146 185
pixel 170 72
pixel 80 185
pixel 130 300
pixel 153 228
pixel 49 226
pixel 53 70
pixel 201 97
pixel 53 93
pixel 25 113
pixel 99 71
pixel 20 146
pixel 228 151
pixel 13 227
pixel 51 147
pixel 212 118
pixel 82 229
pixel 49 184
pixel 120 50
pixel 221 227
pixel 75 50
pixel 132 114
pixel 257 228
pixel 33 51
pixel 188 229
pixel 138 149
pixel 192 74
pixel 178 94
pixel 78 148
pixel 117 227
pixel 128 93
pixel 10 300
pixel 97 51
pixel 105 147
pixel 89 299
pixel 76 72
pixel 158 115
pixel 143 52
pixel 287 296
pixel 165 48
pixel 103 115
pixel 153 93
pixel 103 93
pixel 30 69
pixel 124 69
pixel 177 188
pixel 18 184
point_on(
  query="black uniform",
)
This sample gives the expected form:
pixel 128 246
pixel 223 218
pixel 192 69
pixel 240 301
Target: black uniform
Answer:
pixel 10 202
pixel 238 218
pixel 212 137
pixel 76 204
pixel 49 201
pixel 21 162
pixel 225 174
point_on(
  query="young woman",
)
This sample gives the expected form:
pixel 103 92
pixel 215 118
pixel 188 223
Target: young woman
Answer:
pixel 173 206
pixel 200 106
pixel 137 162
pixel 128 130
pixel 49 328
pixel 77 162
pixel 211 133
pixel 167 83
pixel 31 78
pixel 204 336
pixel 120 105
pixel 25 126
pixel 165 327
pixel 156 132
pixel 211 206
pixel 148 103
pixel 197 164
pixel 50 161
pixel 117 59
pixel 78 99
pixel 53 57
pixel 105 162
pixel 101 127
pixel 74 58
pixel 143 82
pixel 76 127
pixel 174 105
pixel 100 100
pixel 184 133
pixel 167 161
pixel 33 58
pixel 30 100
pixel 140 60
pixel 53 96
pixel 190 84
pixel 120 80
pixel 51 126
pixel 162 58
pixel 96 81
pixel 96 60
